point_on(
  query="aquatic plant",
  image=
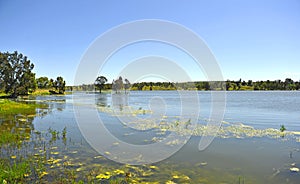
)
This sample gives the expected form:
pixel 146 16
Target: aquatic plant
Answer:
pixel 8 137
pixel 64 133
pixel 9 107
pixel 51 162
pixel 241 180
pixel 282 128
pixel 54 133
pixel 13 173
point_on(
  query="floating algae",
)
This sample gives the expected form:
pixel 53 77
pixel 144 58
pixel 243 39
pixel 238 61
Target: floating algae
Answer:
pixel 118 171
pixel 180 178
pixel 153 167
pixel 294 169
pixel 167 124
pixel 124 111
pixel 103 176
pixel 170 182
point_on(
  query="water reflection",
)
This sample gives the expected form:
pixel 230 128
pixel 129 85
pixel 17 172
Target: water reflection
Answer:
pixel 54 102
pixel 101 100
pixel 59 105
pixel 17 128
pixel 119 101
pixel 230 160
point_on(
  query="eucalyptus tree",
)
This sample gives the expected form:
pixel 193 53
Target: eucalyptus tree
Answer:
pixel 16 74
pixel 100 81
pixel 60 85
pixel 43 82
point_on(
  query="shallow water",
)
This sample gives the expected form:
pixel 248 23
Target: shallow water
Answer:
pixel 235 159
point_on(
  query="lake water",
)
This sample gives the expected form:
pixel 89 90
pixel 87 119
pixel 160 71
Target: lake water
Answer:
pixel 247 150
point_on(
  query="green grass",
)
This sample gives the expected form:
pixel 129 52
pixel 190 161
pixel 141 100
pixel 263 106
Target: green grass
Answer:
pixel 39 92
pixel 13 173
pixel 8 107
pixel 8 137
pixel 246 88
pixel 2 94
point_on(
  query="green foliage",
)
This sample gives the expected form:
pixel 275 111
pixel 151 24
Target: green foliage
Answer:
pixel 56 87
pixel 60 85
pixel 246 88
pixel 153 86
pixel 54 133
pixel 16 77
pixel 39 92
pixel 8 138
pixel 43 83
pixel 288 84
pixel 64 133
pixel 249 85
pixel 282 128
pixel 100 81
pixel 13 173
pixel 8 107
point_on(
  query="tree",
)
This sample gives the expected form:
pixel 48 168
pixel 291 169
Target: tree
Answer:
pixel 127 84
pixel 60 85
pixel 43 82
pixel 16 74
pixel 118 84
pixel 100 81
pixel 51 83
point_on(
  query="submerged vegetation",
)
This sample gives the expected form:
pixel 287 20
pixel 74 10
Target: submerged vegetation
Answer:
pixel 52 155
pixel 166 124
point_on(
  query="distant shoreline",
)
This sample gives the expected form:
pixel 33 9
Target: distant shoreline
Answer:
pixel 240 85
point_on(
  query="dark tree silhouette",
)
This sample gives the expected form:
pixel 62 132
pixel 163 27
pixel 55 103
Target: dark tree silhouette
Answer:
pixel 126 85
pixel 100 81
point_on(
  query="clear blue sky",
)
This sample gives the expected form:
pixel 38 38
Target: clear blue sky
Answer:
pixel 251 39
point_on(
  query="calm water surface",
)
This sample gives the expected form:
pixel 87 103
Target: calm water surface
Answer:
pixel 226 160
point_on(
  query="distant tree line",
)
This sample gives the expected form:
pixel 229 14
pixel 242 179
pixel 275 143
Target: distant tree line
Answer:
pixel 17 78
pixel 287 84
pixel 57 86
pixel 119 84
pixel 200 85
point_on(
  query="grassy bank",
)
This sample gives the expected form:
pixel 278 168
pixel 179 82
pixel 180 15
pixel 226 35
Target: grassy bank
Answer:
pixel 38 92
pixel 9 107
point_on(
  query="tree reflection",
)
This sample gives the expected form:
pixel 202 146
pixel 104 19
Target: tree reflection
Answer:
pixel 101 100
pixel 119 101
